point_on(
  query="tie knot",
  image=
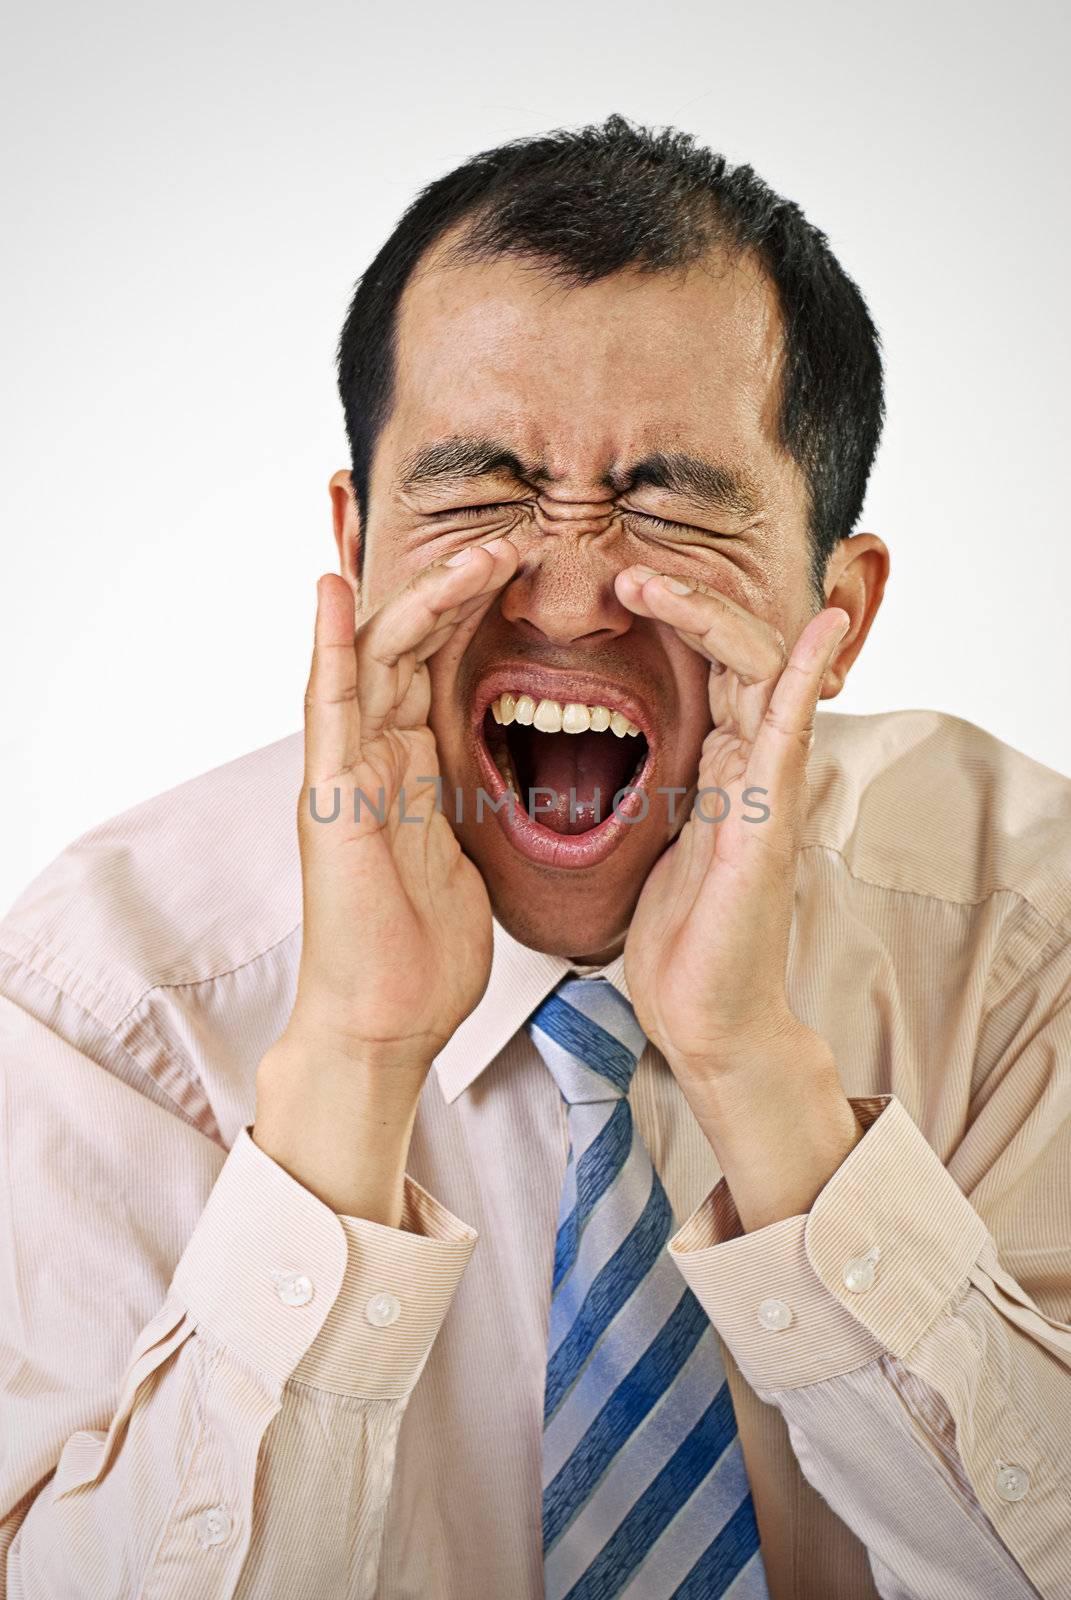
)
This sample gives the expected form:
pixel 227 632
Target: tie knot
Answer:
pixel 588 1036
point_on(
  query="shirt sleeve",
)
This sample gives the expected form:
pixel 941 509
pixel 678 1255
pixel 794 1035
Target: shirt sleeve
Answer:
pixel 927 1396
pixel 191 1347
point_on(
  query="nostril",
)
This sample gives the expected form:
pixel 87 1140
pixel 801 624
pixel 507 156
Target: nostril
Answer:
pixel 564 631
pixel 565 608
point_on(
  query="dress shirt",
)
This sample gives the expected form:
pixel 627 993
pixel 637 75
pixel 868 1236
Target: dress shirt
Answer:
pixel 213 1386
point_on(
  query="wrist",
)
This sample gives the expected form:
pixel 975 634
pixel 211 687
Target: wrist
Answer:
pixel 738 1048
pixel 317 1032
pixel 778 1121
pixel 298 1072
pixel 339 1122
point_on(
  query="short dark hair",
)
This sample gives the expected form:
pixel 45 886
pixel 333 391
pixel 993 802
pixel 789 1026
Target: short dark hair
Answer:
pixel 592 201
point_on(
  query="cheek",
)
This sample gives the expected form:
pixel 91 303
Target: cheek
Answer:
pixel 453 746
pixel 445 715
pixel 730 569
pixel 691 676
pixel 776 591
pixel 389 564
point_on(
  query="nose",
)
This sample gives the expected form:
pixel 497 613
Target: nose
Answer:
pixel 563 593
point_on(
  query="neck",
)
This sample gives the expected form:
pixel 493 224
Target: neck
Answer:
pixel 599 958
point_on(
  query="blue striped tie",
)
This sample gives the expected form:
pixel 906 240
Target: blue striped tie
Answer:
pixel 645 1493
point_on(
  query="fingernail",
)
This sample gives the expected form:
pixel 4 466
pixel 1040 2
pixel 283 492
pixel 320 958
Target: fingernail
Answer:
pixel 643 573
pixel 495 547
pixel 458 557
pixel 675 585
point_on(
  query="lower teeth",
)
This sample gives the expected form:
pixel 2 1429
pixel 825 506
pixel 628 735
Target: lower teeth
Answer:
pixel 502 762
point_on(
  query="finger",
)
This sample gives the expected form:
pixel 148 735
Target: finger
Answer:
pixel 414 701
pixel 418 620
pixel 708 621
pixel 331 716
pixel 428 607
pixel 737 708
pixel 779 754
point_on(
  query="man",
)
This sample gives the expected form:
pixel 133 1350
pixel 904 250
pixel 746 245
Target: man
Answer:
pixel 357 1242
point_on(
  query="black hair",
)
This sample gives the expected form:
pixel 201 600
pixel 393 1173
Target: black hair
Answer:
pixel 592 201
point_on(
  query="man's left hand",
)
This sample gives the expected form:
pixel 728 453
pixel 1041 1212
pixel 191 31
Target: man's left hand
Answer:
pixel 707 947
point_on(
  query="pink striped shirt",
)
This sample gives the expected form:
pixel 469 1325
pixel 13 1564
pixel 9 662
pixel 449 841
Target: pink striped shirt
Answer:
pixel 211 1386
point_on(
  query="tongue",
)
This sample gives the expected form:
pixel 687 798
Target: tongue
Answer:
pixel 593 765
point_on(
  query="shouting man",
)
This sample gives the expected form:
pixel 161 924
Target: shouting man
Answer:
pixel 617 1145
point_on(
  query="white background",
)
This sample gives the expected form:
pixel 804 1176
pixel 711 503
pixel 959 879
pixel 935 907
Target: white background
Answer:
pixel 190 191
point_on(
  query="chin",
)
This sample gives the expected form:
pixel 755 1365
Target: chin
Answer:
pixel 561 910
pixel 562 923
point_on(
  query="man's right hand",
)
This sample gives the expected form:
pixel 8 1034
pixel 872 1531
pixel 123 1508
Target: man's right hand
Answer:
pixel 396 943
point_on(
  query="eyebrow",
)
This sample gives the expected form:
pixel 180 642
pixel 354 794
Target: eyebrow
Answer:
pixel 705 483
pixel 709 484
pixel 452 459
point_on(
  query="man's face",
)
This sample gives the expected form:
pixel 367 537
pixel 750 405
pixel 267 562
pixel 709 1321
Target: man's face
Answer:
pixel 629 421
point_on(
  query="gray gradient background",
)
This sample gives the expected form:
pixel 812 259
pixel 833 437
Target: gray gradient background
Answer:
pixel 189 192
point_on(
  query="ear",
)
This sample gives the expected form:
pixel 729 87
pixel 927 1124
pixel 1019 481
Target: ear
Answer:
pixel 347 523
pixel 855 580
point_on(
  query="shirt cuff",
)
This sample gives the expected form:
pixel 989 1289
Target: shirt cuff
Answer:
pixel 395 1293
pixel 267 1263
pixel 885 1249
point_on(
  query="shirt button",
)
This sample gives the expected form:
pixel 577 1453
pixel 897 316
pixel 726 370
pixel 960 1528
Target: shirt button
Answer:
pixel 382 1309
pixel 859 1272
pixel 1013 1483
pixel 775 1315
pixel 293 1288
pixel 213 1526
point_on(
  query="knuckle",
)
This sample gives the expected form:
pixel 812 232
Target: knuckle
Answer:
pixel 792 733
pixel 315 701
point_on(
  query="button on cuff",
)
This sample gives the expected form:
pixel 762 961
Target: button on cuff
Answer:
pixel 775 1315
pixel 395 1293
pixel 860 1272
pixel 382 1309
pixel 731 1277
pixel 226 1278
pixel 293 1288
pixel 893 1191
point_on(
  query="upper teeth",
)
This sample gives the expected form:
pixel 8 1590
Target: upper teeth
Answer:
pixel 550 716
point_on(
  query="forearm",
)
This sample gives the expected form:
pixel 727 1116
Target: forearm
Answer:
pixel 778 1120
pixel 338 1121
pixel 212 1455
pixel 927 1401
pixel 140 1462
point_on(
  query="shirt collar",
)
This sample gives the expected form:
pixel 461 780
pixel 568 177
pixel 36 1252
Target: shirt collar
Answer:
pixel 520 979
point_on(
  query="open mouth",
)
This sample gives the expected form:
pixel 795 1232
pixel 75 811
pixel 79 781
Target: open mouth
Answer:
pixel 558 766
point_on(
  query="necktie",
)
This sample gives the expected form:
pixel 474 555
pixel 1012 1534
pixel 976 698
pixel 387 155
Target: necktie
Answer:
pixel 645 1493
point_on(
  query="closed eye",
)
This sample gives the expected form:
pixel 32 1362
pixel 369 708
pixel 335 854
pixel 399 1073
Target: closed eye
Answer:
pixel 661 523
pixel 481 511
pixel 665 526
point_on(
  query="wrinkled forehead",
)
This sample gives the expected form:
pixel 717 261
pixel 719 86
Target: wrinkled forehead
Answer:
pixel 579 375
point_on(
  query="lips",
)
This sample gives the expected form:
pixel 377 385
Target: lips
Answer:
pixel 555 749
